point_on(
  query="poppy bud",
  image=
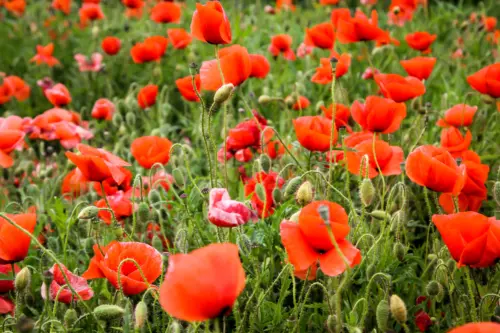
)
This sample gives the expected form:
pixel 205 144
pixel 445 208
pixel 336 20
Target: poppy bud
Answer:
pixel 496 192
pixel 117 119
pixel 157 243
pixel 143 212
pixel 130 119
pixel 399 251
pixel 304 194
pixel 261 192
pixel 264 99
pixel 141 314
pixel 178 177
pixel 366 192
pixel 370 271
pixel 331 323
pixel 70 317
pixel 154 196
pixel 382 315
pixel 265 162
pixel 292 186
pixel 95 31
pixel 108 312
pixel 157 71
pixel 290 100
pixel 277 196
pixel 434 288
pixel 88 213
pixel 23 280
pixel 398 309
pixel 181 240
pixel 223 93
pixel 175 327
pixel 451 264
pixel 380 215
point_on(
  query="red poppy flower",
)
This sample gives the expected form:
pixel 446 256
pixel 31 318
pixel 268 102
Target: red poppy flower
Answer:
pixel 58 95
pixel 108 259
pixel 9 141
pixel 487 80
pixel 15 244
pixel 20 90
pixel 387 158
pixel 285 4
pixel 401 11
pixel 301 103
pixel 65 295
pixel 133 4
pixel 6 306
pixel 489 23
pixel 111 45
pixel 454 142
pixel 224 212
pixel 149 150
pixel 210 23
pixel 358 28
pixel 308 241
pixel 152 49
pixel 369 73
pixel 62 5
pixel 398 88
pixel 5 92
pixel 321 35
pixel 179 38
pixel 473 239
pixel 263 206
pixel 103 109
pixel 90 12
pixel 324 73
pixel 435 169
pixel 274 149
pixel 342 115
pixel 339 14
pixel 147 96
pixel 328 2
pixel 314 133
pixel 458 116
pixel 420 41
pixel 44 55
pixel 7 284
pixel 185 86
pixel 423 320
pixel 166 12
pixel 119 202
pixel 379 114
pixel 419 67
pixel 97 164
pixel 260 66
pixel 477 328
pixel 16 7
pixel 235 64
pixel 74 184
pixel 111 186
pixel 282 44
pixel 203 284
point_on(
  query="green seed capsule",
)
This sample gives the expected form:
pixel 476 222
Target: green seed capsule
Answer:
pixel 108 312
pixel 265 162
pixel 292 187
pixel 366 192
pixel 382 315
pixel 179 177
pixel 143 212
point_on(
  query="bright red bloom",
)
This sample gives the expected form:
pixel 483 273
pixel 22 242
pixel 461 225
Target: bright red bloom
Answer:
pixel 19 89
pixel 487 80
pixel 315 133
pixel 420 41
pixel 10 140
pixel 342 115
pixel 308 241
pixel 119 202
pixel 477 328
pixel 58 95
pixel 6 306
pixel 260 66
pixel 147 96
pixel 107 260
pixel 149 150
pixel 274 149
pixel 152 49
pixel 185 86
pixel 236 68
pixel 245 134
pixel 453 141
pixel 5 92
pixel 97 164
pixel 263 206
pixel 282 44
pixel 285 4
pixel 15 244
pixel 321 35
pixel 74 184
pixel 301 103
pixel 339 14
pixel 489 23
pixel 103 109
pixel 423 320
pixel 419 67
pixel 69 134
pixel 210 23
pixel 111 45
pixel 399 88
pixel 62 5
pixel 90 12
pixel 166 12
pixel 401 11
pixel 458 116
pixel 179 38
pixel 78 283
pixel 328 2
pixel 435 169
pixel 473 239
pixel 387 158
pixel 16 7
pixel 133 4
pixel 359 28
pixel 224 212
pixel 111 186
pixel 44 55
pixel 379 114
pixel 324 73
pixel 203 284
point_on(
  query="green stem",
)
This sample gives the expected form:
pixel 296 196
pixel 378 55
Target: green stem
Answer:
pixel 472 297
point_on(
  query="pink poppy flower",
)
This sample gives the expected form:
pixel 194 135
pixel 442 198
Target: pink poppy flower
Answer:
pixel 94 64
pixel 224 212
pixel 78 283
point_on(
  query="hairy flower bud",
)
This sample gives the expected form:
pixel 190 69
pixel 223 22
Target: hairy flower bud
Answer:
pixel 398 309
pixel 141 315
pixel 108 312
pixel 382 315
pixel 366 192
pixel 223 93
pixel 23 280
pixel 304 194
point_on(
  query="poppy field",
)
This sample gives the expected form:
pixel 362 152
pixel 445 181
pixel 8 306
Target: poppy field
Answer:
pixel 249 166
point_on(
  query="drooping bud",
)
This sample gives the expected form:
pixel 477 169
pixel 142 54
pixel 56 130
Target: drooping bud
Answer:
pixel 331 323
pixel 141 315
pixel 130 119
pixel 380 215
pixel 292 186
pixel 304 194
pixel 398 309
pixel 88 213
pixel 434 288
pixel 23 280
pixel 143 212
pixel 366 192
pixel 264 99
pixel 260 191
pixel 157 243
pixel 324 212
pixel 117 119
pixel 223 93
pixel 70 317
pixel 108 312
pixel 179 177
pixel 382 315
pixel 399 251
pixel 277 195
pixel 265 162
pixel 154 196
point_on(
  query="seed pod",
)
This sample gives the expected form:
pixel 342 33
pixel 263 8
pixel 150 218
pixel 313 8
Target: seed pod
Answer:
pixel 179 177
pixel 88 213
pixel 157 243
pixel 382 315
pixel 130 119
pixel 264 99
pixel 70 317
pixel 117 119
pixel 260 191
pixel 277 195
pixel 380 215
pixel 141 314
pixel 23 280
pixel 265 162
pixel 292 186
pixel 398 309
pixel 154 196
pixel 304 194
pixel 223 93
pixel 366 192
pixel 496 192
pixel 399 251
pixel 108 312
pixel 434 288
pixel 331 322
pixel 143 212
